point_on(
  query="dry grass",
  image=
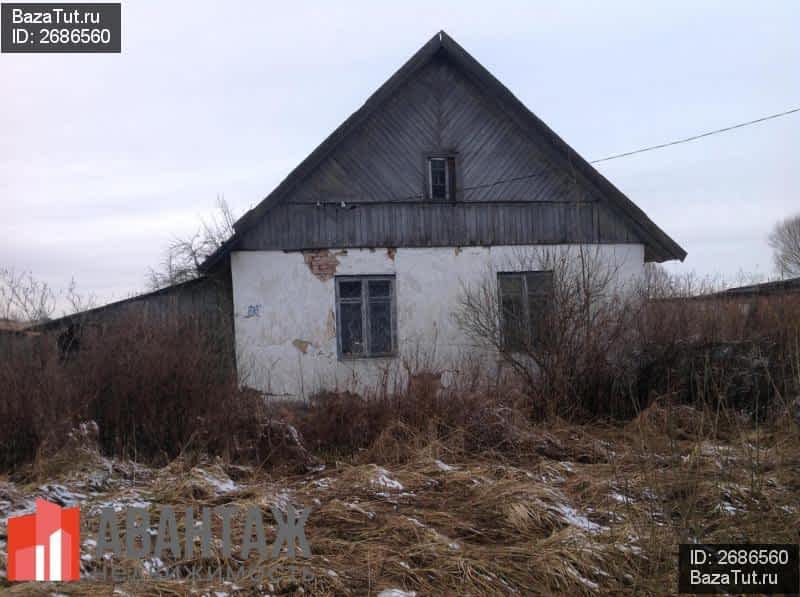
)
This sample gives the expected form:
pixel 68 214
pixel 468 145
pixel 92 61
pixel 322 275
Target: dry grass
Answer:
pixel 586 509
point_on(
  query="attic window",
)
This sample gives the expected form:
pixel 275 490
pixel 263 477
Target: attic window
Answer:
pixel 441 177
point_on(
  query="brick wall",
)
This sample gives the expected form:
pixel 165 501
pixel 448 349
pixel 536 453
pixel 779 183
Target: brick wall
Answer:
pixel 322 263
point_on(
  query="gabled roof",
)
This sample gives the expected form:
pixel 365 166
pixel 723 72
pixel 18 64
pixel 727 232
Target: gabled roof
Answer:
pixel 658 245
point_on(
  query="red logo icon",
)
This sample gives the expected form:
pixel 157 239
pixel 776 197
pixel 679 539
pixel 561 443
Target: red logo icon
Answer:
pixel 45 545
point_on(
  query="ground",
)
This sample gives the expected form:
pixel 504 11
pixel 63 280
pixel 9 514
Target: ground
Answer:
pixel 577 509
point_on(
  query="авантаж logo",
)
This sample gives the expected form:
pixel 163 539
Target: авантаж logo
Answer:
pixel 44 545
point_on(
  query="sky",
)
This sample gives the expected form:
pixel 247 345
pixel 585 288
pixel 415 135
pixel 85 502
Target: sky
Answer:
pixel 104 158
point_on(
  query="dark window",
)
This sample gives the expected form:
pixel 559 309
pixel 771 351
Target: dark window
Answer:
pixel 525 302
pixel 365 309
pixel 441 178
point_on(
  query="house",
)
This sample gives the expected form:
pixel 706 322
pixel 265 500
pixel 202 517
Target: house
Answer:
pixel 351 268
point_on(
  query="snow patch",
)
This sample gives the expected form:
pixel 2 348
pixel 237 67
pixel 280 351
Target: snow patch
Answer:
pixel 620 497
pixel 360 510
pixel 726 508
pixel 384 479
pixel 280 500
pixel 152 565
pixel 61 495
pixel 573 517
pixel 118 505
pixel 222 485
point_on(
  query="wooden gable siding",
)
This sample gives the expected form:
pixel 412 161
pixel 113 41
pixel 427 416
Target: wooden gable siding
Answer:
pixel 292 227
pixel 379 173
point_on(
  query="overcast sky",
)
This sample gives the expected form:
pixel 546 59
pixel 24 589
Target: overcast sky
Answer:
pixel 103 158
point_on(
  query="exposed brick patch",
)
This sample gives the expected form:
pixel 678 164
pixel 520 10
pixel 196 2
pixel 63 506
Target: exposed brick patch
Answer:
pixel 391 252
pixel 322 263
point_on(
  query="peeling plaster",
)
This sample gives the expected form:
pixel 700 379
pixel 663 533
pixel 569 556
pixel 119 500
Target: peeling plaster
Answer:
pixel 330 325
pixel 323 263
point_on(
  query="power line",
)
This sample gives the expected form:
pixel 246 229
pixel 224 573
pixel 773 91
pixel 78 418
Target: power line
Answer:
pixel 547 171
pixel 695 137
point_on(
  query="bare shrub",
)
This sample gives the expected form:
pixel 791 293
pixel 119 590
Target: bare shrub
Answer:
pixel 572 350
pixel 156 388
pixel 184 255
pixel 37 405
pixel 604 350
pixel 720 351
pixel 344 423
pixel 23 298
pixel 152 388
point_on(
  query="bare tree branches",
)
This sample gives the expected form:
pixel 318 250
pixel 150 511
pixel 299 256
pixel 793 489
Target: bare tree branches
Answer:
pixel 785 242
pixel 77 302
pixel 23 298
pixel 183 256
pixel 578 334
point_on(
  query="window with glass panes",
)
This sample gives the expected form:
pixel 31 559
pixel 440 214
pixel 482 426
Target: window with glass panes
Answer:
pixel 441 177
pixel 365 315
pixel 525 303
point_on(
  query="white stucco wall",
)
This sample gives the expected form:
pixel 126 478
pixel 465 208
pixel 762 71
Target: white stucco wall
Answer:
pixel 285 320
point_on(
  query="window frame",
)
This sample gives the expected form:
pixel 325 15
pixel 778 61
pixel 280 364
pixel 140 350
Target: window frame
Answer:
pixel 450 163
pixel 527 342
pixel 365 316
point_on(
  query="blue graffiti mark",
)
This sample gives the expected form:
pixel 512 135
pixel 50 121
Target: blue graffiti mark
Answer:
pixel 253 311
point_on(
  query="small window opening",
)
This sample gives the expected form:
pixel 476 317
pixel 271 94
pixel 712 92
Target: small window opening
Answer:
pixel 441 178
